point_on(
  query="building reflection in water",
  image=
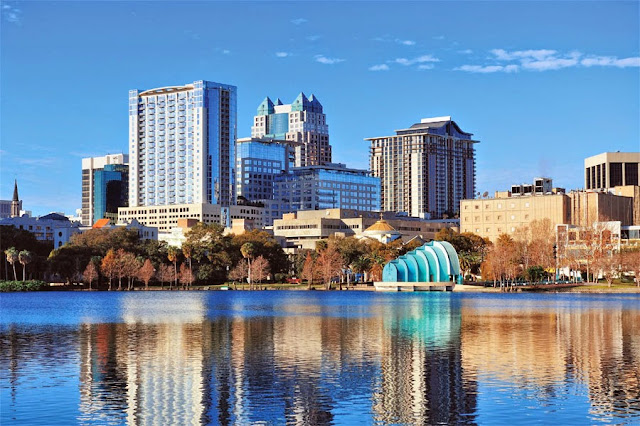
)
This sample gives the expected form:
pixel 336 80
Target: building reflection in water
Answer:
pixel 422 380
pixel 545 349
pixel 399 359
pixel 148 369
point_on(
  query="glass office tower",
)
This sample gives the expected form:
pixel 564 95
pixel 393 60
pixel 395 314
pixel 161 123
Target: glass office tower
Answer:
pixel 110 191
pixel 258 162
pixel 182 144
pixel 105 186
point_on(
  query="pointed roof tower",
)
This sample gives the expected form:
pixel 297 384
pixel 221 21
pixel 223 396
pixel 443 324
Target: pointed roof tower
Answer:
pixel 300 102
pixel 16 204
pixel 15 191
pixel 265 107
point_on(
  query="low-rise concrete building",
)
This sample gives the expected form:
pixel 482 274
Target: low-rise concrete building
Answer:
pixel 304 228
pixel 491 217
pixel 166 217
pixel 503 214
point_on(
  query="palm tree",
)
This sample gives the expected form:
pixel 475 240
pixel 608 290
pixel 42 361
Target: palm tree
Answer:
pixel 12 258
pixel 187 251
pixel 172 255
pixel 25 257
pixel 247 251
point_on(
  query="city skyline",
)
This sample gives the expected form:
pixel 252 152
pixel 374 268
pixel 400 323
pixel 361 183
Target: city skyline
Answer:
pixel 542 92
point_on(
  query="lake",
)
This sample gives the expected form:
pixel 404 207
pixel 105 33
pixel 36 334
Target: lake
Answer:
pixel 304 357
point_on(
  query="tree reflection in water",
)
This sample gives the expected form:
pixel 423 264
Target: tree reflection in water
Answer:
pixel 204 358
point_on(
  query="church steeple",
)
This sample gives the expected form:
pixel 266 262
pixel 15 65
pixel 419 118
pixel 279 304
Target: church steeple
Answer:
pixel 15 202
pixel 15 191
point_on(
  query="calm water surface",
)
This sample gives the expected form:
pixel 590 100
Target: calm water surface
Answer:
pixel 318 358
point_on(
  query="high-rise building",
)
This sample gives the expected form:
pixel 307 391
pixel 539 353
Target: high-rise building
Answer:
pixel 302 121
pixel 105 187
pixel 611 169
pixel 259 160
pixel 182 145
pixel 425 170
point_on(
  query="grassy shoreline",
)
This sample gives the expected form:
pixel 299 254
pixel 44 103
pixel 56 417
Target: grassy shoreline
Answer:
pixel 546 288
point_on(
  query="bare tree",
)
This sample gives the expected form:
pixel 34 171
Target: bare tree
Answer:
pixel 609 266
pixel 186 276
pixel 131 266
pixel 329 265
pixel 631 262
pixel 90 273
pixel 146 272
pixel 259 268
pixel 239 272
pixel 165 273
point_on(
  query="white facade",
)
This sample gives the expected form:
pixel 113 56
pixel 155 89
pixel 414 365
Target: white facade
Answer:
pixel 182 145
pixel 89 165
pixel 52 227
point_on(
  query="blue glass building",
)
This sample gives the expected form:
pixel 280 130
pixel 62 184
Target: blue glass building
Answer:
pixel 323 187
pixel 258 162
pixel 110 191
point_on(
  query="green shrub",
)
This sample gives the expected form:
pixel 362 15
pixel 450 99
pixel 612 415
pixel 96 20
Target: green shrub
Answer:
pixel 31 285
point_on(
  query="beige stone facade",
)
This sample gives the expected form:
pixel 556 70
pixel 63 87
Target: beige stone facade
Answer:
pixel 503 214
pixel 166 217
pixel 492 217
pixel 305 228
pixel 632 191
pixel 611 169
pixel 588 207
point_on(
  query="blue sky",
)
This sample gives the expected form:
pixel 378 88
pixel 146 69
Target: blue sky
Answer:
pixel 542 85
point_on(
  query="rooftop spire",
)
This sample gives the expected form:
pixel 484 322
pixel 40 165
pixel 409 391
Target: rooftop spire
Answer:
pixel 15 191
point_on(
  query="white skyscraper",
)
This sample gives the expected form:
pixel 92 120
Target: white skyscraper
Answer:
pixel 182 145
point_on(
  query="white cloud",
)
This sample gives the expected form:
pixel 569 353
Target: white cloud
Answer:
pixel 381 67
pixel 487 69
pixel 12 14
pixel 282 54
pixel 539 54
pixel 466 51
pixel 546 60
pixel 425 66
pixel 405 42
pixel 418 60
pixel 610 61
pixel 328 61
pixel 298 21
pixel 550 64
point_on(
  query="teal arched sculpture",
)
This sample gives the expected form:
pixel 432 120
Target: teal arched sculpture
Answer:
pixel 435 261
